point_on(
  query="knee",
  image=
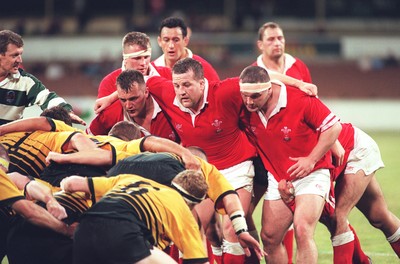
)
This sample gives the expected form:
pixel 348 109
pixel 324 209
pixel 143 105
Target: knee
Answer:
pixel 376 221
pixel 303 232
pixel 269 239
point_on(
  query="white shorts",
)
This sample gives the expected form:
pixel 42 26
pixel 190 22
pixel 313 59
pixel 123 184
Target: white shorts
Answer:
pixel 240 175
pixel 365 155
pixel 317 182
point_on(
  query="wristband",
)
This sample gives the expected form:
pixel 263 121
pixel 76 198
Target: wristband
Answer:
pixel 238 222
pixel 26 194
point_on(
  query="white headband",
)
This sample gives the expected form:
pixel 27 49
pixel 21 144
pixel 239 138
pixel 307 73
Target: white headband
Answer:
pixel 255 87
pixel 146 52
pixel 189 198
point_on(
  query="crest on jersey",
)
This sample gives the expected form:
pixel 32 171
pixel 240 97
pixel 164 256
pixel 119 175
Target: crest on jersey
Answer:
pixel 10 97
pixel 217 124
pixel 285 130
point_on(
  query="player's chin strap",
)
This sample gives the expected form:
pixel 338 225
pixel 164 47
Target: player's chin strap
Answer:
pixel 5 163
pixel 190 199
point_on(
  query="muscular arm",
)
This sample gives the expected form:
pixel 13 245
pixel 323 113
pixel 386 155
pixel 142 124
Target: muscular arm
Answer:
pixel 103 102
pixel 235 211
pixel 158 144
pixel 94 156
pixel 39 216
pixel 35 190
pixel 326 140
pixel 26 125
pixel 308 88
pixel 75 184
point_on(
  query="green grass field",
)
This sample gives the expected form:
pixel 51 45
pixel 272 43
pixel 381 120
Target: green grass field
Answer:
pixel 372 240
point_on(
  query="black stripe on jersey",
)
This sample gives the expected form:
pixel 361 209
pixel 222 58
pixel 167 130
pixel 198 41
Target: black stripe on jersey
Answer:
pixel 19 161
pixel 13 97
pixel 72 201
pixel 26 162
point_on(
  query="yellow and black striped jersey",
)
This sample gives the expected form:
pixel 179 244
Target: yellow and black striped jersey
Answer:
pixel 28 150
pixel 75 204
pixel 158 208
pixel 9 193
pixel 162 167
pixel 120 148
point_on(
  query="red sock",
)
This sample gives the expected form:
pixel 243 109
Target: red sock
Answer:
pixel 343 254
pixel 288 243
pixel 217 259
pixel 358 255
pixel 396 247
pixel 174 253
pixel 210 253
pixel 232 259
pixel 252 259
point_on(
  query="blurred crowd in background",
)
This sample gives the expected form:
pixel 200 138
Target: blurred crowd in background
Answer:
pixel 224 32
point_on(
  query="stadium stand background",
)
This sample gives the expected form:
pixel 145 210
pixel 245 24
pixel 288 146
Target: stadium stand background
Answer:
pixel 352 47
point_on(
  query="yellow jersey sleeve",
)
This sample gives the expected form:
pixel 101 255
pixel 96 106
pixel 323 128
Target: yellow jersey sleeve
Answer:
pixel 9 193
pixel 58 126
pixel 218 185
pixel 183 230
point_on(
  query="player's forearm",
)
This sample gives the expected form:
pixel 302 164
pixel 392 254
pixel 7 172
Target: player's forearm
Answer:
pixel 96 157
pixel 158 144
pixel 325 142
pixel 75 184
pixel 232 203
pixel 39 192
pixel 39 216
pixel 308 88
pixel 18 179
pixel 25 125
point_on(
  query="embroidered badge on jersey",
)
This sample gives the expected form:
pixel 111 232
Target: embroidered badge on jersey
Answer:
pixel 10 97
pixel 217 124
pixel 178 127
pixel 285 130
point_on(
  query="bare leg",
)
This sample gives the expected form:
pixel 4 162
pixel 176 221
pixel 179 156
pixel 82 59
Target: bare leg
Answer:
pixel 307 213
pixel 373 205
pixel 276 219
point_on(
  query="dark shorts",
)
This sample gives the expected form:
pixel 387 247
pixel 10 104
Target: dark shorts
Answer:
pixel 55 172
pixel 29 243
pixel 261 174
pixel 158 167
pixel 105 240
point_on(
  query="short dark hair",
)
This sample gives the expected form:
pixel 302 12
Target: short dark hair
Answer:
pixel 59 113
pixel 126 79
pixel 254 74
pixel 187 64
pixel 262 29
pixel 173 22
pixel 9 37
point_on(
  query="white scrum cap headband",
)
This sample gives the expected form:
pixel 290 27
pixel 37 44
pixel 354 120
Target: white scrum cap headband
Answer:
pixel 254 87
pixel 146 52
